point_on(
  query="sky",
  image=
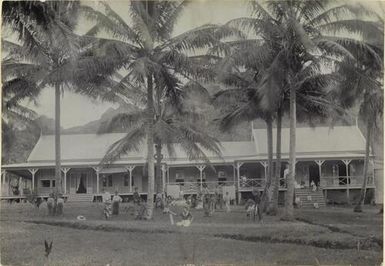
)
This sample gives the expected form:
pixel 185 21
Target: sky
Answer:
pixel 78 110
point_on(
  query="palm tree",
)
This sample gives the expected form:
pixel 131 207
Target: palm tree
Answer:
pixel 47 45
pixel 256 69
pixel 151 57
pixel 171 125
pixel 363 87
pixel 306 37
pixel 371 109
pixel 245 106
pixel 48 54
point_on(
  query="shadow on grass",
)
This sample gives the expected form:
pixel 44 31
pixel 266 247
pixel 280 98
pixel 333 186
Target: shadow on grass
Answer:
pixel 372 240
pixel 356 243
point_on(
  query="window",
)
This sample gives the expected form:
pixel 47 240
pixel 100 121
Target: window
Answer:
pixel 45 183
pixel 53 183
pixel 110 180
pixel 180 181
pixel 104 181
pixel 221 180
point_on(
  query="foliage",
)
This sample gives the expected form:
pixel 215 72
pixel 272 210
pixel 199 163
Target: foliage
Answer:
pixel 151 60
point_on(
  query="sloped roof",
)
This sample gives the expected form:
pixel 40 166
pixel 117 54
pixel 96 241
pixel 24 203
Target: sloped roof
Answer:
pixel 312 143
pixel 93 147
pixel 315 141
pixel 79 147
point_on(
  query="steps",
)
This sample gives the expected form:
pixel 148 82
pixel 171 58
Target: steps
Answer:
pixel 308 197
pixel 80 198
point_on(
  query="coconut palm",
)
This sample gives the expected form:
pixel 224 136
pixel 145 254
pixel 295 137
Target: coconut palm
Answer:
pixel 363 86
pixel 242 103
pixel 372 111
pixel 151 57
pixel 306 37
pixel 246 104
pixel 250 66
pixel 47 55
pixel 44 30
pixel 171 126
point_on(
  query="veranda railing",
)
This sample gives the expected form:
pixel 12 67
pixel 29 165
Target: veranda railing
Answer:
pixel 345 181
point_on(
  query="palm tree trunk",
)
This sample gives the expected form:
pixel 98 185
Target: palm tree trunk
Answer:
pixel 58 182
pixel 158 148
pixel 277 176
pixel 358 207
pixel 266 198
pixel 292 160
pixel 150 147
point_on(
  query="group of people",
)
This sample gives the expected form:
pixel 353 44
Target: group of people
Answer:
pixel 111 204
pixel 211 202
pixel 55 204
pixel 253 205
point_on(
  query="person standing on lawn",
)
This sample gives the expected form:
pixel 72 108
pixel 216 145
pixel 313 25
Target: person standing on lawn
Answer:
pixel 136 196
pixel 106 197
pixel 115 203
pixel 60 205
pixel 206 205
pixel 137 201
pixel 227 199
pixel 218 197
pixel 257 199
pixel 206 200
pixel 50 204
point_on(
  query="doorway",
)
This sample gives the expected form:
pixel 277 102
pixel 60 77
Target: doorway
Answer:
pixel 314 174
pixel 82 183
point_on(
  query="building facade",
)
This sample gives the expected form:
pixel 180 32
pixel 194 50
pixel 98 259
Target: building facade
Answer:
pixel 333 158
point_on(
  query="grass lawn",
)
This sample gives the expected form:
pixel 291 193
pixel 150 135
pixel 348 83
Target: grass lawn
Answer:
pixel 225 238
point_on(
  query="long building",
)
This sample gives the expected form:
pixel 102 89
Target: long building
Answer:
pixel 331 157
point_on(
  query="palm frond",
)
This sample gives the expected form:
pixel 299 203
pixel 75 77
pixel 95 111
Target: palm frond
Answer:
pixel 111 23
pixel 131 142
pixel 334 13
pixel 123 121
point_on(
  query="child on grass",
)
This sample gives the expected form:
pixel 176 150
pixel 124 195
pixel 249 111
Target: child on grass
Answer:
pixel 186 217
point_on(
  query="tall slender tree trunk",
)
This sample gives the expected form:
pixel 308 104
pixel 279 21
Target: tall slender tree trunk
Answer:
pixel 58 182
pixel 358 207
pixel 266 196
pixel 292 160
pixel 277 175
pixel 150 147
pixel 158 179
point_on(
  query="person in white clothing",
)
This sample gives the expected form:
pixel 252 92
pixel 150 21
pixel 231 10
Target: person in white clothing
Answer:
pixel 106 197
